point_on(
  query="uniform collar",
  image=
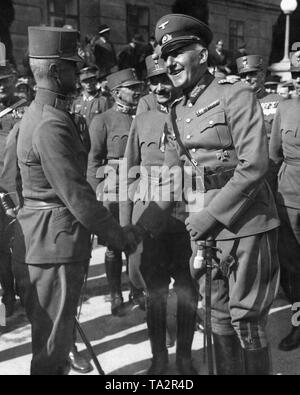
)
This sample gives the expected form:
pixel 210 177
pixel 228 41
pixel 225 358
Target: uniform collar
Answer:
pixel 124 109
pixel 53 99
pixel 261 93
pixel 199 89
pixel 88 97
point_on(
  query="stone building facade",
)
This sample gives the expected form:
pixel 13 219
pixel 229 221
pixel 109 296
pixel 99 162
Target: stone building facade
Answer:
pixel 234 21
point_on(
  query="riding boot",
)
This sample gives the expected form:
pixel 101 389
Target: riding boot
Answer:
pixel 187 301
pixel 156 308
pixel 228 353
pixel 7 283
pixel 77 361
pixel 137 297
pixel 257 362
pixel 291 281
pixel 113 267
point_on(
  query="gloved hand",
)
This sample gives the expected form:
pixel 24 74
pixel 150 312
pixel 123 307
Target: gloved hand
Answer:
pixel 200 225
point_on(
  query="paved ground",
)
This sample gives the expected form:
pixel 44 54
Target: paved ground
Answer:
pixel 121 344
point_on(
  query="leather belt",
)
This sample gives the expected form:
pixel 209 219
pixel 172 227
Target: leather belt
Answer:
pixel 292 162
pixel 212 180
pixel 40 205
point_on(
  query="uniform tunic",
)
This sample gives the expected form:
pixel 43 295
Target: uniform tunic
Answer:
pixel 89 106
pixel 222 127
pixel 269 104
pixel 285 156
pixel 167 255
pixel 54 226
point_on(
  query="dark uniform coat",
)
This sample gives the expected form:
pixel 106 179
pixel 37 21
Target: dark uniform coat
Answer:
pixel 53 163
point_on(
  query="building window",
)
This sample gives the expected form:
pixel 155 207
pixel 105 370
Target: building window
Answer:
pixel 236 34
pixel 63 13
pixel 138 22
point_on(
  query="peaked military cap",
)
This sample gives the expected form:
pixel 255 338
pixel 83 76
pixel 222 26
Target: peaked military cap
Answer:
pixel 155 65
pixel 103 29
pixel 176 30
pixel 53 43
pixel 123 78
pixel 295 62
pixel 247 64
pixel 88 72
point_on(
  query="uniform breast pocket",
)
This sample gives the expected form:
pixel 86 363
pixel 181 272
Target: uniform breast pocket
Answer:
pixel 150 144
pixel 290 133
pixel 119 142
pixel 214 131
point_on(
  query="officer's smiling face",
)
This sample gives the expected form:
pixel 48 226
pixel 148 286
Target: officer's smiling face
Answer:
pixel 162 87
pixel 186 65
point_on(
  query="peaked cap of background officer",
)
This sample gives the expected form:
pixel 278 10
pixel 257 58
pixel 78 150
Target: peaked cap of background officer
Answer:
pixel 5 70
pixel 123 78
pixel 174 31
pixel 250 63
pixel 88 72
pixel 155 66
pixel 104 29
pixel 53 43
pixel 295 62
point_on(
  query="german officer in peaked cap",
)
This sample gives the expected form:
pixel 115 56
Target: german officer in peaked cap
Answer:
pixel 109 133
pixel 217 134
pixel 252 71
pixel 167 256
pixel 90 102
pixel 285 155
pixel 60 209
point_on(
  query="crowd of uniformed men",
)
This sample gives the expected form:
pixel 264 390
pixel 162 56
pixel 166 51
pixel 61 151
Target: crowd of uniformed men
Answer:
pixel 68 155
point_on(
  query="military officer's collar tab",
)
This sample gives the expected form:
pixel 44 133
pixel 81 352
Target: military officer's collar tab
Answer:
pixel 200 88
pixel 46 96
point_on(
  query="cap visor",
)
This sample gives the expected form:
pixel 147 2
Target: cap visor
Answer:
pixel 2 77
pixel 131 83
pixel 250 70
pixel 75 58
pixel 157 72
pixel 176 44
pixel 104 31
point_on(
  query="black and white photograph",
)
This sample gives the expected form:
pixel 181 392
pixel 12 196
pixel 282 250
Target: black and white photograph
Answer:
pixel 149 190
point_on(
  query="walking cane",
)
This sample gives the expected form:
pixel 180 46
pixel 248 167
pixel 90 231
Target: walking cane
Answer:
pixel 205 258
pixel 89 348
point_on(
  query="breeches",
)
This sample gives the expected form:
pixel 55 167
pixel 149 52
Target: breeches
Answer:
pixel 51 294
pixel 241 301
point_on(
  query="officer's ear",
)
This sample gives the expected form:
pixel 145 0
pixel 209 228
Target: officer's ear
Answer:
pixel 53 71
pixel 203 56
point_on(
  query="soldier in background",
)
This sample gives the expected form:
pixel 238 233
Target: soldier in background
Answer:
pixel 109 133
pixel 167 256
pixel 8 101
pixel 285 156
pixel 251 70
pixel 104 51
pixel 90 102
pixel 162 92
